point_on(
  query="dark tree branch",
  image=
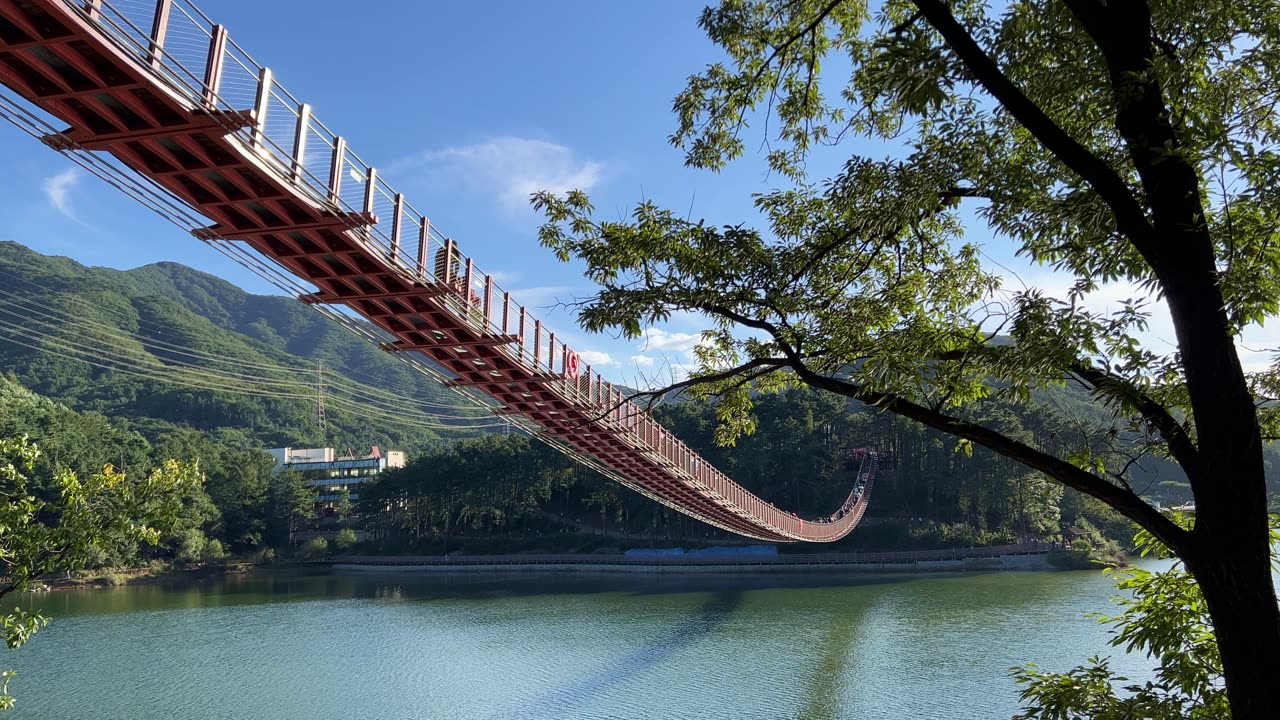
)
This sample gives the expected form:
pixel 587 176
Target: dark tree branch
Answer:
pixel 653 395
pixel 1156 415
pixel 944 196
pixel 906 24
pixel 1130 218
pixel 1153 413
pixel 1124 501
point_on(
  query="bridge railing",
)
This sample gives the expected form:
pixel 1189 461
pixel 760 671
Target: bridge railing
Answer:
pixel 197 59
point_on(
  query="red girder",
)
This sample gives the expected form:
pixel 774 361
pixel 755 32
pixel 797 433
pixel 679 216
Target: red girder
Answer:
pixel 116 98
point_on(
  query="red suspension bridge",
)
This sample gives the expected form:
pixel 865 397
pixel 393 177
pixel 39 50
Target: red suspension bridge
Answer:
pixel 156 99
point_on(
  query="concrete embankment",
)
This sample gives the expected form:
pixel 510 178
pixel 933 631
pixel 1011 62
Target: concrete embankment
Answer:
pixel 1005 557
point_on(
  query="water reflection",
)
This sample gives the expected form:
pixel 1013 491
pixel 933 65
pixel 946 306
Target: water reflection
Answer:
pixel 556 702
pixel 824 694
pixel 285 645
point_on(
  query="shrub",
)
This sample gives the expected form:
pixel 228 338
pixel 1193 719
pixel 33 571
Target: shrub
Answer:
pixel 263 556
pixel 213 551
pixel 191 545
pixel 115 579
pixel 345 539
pixel 314 549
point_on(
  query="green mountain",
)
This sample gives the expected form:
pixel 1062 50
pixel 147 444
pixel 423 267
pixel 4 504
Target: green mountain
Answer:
pixel 165 345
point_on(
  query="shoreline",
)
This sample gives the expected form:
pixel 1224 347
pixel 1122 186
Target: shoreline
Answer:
pixel 1038 557
pixel 1030 557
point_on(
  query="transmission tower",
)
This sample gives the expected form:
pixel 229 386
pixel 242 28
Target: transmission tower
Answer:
pixel 321 423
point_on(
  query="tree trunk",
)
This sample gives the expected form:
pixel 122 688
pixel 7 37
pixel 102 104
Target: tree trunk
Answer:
pixel 1236 581
pixel 1230 551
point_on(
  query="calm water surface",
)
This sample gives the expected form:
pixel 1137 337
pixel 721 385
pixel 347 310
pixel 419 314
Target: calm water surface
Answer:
pixel 597 647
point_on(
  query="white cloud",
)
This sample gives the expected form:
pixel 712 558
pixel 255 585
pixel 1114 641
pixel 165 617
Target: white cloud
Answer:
pixel 540 297
pixel 659 339
pixel 596 359
pixel 504 278
pixel 510 167
pixel 58 189
pixel 643 361
pixel 1256 346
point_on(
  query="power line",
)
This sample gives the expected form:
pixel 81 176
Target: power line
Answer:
pixel 62 318
pixel 185 350
pixel 164 204
pixel 200 378
pixel 320 420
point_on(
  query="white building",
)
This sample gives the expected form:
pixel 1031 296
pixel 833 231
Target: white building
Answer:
pixel 330 473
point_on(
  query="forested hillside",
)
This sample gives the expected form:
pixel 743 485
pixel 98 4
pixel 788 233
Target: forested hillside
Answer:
pixel 133 367
pixel 235 504
pixel 502 493
pixel 166 345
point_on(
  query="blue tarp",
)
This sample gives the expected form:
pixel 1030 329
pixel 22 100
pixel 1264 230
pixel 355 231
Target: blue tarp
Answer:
pixel 751 550
pixel 654 552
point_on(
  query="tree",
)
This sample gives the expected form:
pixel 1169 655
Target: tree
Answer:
pixel 343 507
pixel 1119 142
pixel 1163 615
pixel 61 521
pixel 314 549
pixel 213 551
pixel 191 544
pixel 292 502
pixel 345 539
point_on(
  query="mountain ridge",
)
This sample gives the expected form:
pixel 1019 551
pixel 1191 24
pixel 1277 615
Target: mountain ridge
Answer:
pixel 167 342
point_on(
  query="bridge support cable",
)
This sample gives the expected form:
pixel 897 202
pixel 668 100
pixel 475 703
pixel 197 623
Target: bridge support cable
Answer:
pixel 200 133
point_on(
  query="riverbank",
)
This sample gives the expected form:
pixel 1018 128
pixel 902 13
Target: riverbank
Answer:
pixel 308 642
pixel 1031 556
pixel 116 577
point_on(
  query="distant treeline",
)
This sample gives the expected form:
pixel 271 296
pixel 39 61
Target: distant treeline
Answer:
pixel 517 493
pixel 163 362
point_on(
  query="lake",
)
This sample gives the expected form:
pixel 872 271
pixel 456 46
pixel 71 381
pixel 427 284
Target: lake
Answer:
pixel 329 645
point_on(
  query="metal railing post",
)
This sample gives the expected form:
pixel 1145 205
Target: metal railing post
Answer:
pixel 159 27
pixel 370 187
pixel 444 267
pixel 300 142
pixel 537 340
pixel 424 242
pixel 396 216
pixel 335 170
pixel 522 341
pixel 260 102
pixel 488 302
pixel 466 291
pixel 213 64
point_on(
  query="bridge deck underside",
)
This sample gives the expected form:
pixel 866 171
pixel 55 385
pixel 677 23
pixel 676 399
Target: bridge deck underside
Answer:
pixel 54 55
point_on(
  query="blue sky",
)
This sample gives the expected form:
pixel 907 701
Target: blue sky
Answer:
pixel 466 112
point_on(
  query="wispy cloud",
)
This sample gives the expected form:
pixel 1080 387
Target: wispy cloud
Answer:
pixel 643 361
pixel 57 189
pixel 1257 344
pixel 504 277
pixel 510 168
pixel 659 339
pixel 541 297
pixel 596 358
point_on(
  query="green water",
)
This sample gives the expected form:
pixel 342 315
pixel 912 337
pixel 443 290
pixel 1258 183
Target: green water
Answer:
pixel 342 646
